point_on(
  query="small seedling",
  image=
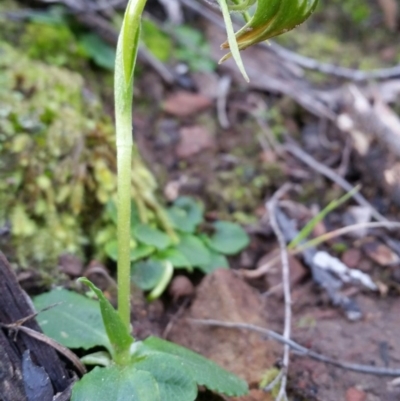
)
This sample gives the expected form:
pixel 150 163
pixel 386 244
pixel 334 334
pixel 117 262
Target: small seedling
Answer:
pixel 154 256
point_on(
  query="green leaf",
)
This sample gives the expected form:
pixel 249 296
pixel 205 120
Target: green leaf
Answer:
pixel 101 358
pixel 158 42
pixel 307 229
pixel 271 18
pixel 194 250
pixel 99 51
pixel 141 252
pixel 147 274
pixel 174 382
pixel 217 261
pixel 164 281
pixel 204 372
pixel 229 238
pixel 151 236
pixel 116 330
pixel 111 249
pixel 232 39
pixel 75 323
pixel 112 213
pixel 128 43
pixel 186 214
pixel 176 257
pixel 116 383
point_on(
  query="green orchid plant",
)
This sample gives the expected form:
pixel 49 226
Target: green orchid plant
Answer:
pixel 271 18
pixel 153 369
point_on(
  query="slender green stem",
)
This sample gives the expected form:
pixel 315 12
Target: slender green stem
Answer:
pixel 123 117
pixel 246 15
pixel 124 69
pixel 124 154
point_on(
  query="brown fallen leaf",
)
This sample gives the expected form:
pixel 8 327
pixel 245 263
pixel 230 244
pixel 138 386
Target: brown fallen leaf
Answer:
pixel 380 253
pixel 193 140
pixel 184 104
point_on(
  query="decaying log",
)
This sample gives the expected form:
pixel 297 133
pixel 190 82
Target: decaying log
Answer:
pixel 20 354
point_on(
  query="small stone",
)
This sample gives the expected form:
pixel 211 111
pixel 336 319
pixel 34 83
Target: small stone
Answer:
pixel 70 265
pixel 180 287
pixel 351 258
pixel 354 394
pixel 193 140
pixel 184 104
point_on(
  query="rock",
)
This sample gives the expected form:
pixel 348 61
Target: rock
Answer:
pixel 224 296
pixel 180 287
pixel 354 394
pixel 184 104
pixel 193 140
pixel 351 258
pixel 70 265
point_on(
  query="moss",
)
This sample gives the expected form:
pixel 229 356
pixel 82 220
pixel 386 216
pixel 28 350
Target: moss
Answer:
pixel 57 159
pixel 53 44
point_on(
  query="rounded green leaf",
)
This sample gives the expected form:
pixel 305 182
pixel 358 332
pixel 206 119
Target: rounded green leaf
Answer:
pixel 141 251
pixel 147 274
pixel 116 383
pixel 176 257
pixel 111 249
pixel 112 213
pixel 229 238
pixel 194 250
pixel 217 261
pixel 151 236
pixel 75 323
pixel 175 383
pixel 186 214
pixel 203 371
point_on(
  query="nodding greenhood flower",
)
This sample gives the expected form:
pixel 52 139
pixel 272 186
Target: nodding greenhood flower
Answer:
pixel 271 18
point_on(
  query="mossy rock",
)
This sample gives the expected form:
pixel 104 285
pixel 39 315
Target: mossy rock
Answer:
pixel 57 159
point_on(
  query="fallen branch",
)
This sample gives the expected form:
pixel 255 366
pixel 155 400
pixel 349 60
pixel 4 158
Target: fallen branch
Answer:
pixel 335 70
pixel 302 351
pixel 271 206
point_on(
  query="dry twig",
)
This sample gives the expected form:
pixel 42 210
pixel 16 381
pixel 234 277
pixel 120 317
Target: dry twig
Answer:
pixel 263 269
pixel 271 205
pixel 49 341
pixel 332 175
pixel 299 349
pixel 335 70
pixel 224 86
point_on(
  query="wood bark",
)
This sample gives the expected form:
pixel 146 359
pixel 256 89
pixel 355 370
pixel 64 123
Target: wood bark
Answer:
pixel 15 305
